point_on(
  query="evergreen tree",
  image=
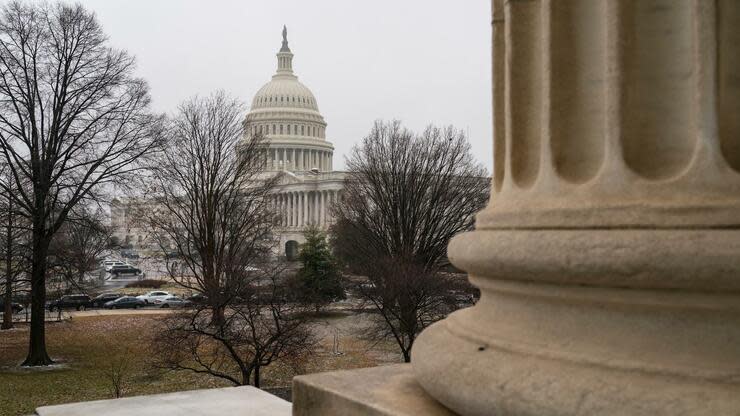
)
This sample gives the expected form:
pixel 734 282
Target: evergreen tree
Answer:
pixel 319 279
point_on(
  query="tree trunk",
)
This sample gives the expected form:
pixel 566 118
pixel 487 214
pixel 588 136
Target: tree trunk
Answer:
pixel 257 376
pixel 218 316
pixel 37 355
pixel 8 309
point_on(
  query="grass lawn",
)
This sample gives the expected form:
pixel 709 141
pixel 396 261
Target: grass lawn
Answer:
pixel 84 349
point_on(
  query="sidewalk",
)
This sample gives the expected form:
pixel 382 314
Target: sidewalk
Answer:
pixel 109 312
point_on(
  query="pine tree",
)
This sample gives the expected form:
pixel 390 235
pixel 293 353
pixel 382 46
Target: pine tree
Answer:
pixel 319 279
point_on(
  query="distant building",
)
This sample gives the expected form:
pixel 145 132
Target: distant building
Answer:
pixel 286 112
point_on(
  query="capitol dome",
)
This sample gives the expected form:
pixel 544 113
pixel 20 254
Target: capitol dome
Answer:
pixel 284 91
pixel 286 113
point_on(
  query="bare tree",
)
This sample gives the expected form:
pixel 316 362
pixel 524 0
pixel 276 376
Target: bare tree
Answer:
pixel 73 120
pixel 116 372
pixel 212 208
pixel 260 326
pixel 211 205
pixel 404 197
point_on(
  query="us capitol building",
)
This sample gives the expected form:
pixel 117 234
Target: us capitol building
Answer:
pixel 286 112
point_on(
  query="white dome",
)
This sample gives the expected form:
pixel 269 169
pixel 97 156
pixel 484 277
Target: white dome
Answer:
pixel 284 91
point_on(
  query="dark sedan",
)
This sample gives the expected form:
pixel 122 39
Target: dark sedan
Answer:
pixel 126 302
pixel 79 302
pixel 101 300
pixel 123 270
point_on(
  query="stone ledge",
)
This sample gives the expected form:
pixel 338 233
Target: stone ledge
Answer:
pixel 378 391
pixel 246 400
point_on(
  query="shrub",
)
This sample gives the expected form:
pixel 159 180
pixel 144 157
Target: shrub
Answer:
pixel 148 284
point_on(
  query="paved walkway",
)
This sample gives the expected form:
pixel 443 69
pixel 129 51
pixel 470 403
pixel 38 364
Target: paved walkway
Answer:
pixel 109 312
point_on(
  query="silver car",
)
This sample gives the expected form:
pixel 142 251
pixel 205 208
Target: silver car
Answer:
pixel 172 302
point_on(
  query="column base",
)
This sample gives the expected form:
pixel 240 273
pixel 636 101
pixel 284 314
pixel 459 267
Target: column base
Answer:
pixel 590 322
pixel 476 380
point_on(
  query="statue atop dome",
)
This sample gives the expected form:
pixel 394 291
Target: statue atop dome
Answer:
pixel 285 47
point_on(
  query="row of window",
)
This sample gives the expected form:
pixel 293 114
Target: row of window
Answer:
pixel 291 129
pixel 286 99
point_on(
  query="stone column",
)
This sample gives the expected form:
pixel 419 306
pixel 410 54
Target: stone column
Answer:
pixel 280 208
pixel 316 207
pixel 295 209
pixel 296 205
pixel 322 220
pixel 284 211
pixel 608 259
pixel 291 209
pixel 305 209
pixel 300 209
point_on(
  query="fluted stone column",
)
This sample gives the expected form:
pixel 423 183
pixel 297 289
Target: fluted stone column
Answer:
pixel 293 210
pixel 305 209
pixel 291 207
pixel 609 256
pixel 300 209
pixel 322 207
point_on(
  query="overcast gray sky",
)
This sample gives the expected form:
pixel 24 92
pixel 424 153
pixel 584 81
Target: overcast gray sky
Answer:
pixel 420 61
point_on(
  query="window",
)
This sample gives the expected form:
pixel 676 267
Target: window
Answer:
pixel 281 129
pixel 303 130
pixel 273 129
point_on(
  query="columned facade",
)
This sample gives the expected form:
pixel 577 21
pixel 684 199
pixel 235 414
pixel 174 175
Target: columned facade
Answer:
pixel 608 257
pixel 302 208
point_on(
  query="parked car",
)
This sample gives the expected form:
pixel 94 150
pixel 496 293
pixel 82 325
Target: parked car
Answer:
pixel 122 270
pixel 150 297
pixel 129 254
pixel 110 264
pixel 15 306
pixel 198 298
pixel 125 302
pixel 79 302
pixel 172 302
pixel 100 300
